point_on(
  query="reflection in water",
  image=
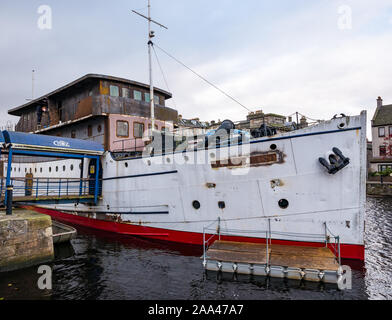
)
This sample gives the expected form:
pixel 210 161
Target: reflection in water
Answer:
pixel 378 253
pixel 104 266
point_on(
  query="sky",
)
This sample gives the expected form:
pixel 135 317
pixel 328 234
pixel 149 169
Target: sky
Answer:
pixel 320 57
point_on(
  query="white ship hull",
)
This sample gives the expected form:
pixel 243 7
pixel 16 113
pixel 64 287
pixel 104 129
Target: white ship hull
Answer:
pixel 154 197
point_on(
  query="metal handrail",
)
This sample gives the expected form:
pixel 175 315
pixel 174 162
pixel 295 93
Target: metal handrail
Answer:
pixel 268 237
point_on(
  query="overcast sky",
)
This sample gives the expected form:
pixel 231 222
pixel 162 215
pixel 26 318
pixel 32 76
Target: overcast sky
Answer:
pixel 280 56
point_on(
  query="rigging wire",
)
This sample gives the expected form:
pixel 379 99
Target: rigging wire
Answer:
pixel 164 76
pixel 201 77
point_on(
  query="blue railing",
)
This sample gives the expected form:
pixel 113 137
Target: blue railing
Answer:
pixel 50 187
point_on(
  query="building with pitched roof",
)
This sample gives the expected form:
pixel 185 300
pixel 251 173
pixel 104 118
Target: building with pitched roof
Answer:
pixel 381 137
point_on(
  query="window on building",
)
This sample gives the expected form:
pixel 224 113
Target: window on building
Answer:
pixel 126 93
pixel 137 95
pixel 138 129
pixel 390 131
pixel 90 130
pixel 147 97
pixel 156 100
pixel 383 151
pixel 150 125
pixel 73 134
pixel 381 132
pixel 114 91
pixel 122 129
pixel 60 110
pixel 383 167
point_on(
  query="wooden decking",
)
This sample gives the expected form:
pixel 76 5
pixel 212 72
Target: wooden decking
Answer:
pixel 319 259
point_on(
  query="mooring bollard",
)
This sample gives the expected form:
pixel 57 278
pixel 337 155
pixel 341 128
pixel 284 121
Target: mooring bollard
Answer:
pixel 9 191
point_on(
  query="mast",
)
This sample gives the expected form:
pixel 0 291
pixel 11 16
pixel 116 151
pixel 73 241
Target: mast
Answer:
pixel 151 35
pixel 150 44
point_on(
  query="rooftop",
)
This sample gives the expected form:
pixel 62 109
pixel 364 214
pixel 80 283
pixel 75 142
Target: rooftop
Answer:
pixel 81 81
pixel 383 116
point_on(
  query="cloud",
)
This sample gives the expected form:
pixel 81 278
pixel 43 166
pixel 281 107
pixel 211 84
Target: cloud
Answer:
pixel 281 57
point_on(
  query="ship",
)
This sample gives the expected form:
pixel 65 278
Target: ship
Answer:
pixel 155 183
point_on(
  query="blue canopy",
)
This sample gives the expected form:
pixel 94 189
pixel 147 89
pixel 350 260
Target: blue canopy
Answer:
pixel 28 141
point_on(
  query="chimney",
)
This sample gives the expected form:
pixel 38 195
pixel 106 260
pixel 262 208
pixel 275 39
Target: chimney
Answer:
pixel 379 102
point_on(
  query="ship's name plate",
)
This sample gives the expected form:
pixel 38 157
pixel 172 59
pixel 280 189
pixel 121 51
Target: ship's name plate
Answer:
pixel 253 160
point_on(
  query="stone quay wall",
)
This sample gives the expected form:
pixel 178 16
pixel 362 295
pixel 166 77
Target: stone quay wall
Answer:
pixel 25 240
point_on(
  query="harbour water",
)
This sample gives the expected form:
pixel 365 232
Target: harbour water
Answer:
pixel 101 266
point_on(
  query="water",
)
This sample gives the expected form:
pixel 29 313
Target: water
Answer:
pixel 100 266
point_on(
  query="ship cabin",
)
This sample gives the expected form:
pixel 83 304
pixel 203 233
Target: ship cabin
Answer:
pixel 112 111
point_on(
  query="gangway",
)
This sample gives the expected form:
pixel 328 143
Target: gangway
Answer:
pixel 49 190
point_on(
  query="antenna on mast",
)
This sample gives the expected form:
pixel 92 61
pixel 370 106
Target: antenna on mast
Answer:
pixel 151 35
pixel 32 85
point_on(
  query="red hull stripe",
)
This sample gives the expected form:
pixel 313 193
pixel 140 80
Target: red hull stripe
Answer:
pixel 347 251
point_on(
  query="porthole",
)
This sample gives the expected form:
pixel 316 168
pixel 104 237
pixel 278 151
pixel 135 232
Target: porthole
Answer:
pixel 25 170
pixel 186 158
pixel 341 125
pixel 168 160
pixel 50 169
pixel 126 164
pixel 212 155
pixel 63 168
pixel 196 204
pixel 31 170
pixel 283 203
pixel 72 167
pixel 57 169
pixel 221 204
pixel 40 170
pixel 149 162
pixel 19 169
pixel 35 170
pixel 273 146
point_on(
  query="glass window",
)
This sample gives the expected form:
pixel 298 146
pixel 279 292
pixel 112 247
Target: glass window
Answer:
pixel 126 93
pixel 138 129
pixel 147 97
pixel 73 134
pixel 381 132
pixel 114 91
pixel 150 125
pixel 383 151
pixel 390 132
pixel 122 129
pixel 137 95
pixel 156 99
pixel 89 130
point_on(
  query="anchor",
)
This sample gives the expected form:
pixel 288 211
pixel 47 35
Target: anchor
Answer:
pixel 337 161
